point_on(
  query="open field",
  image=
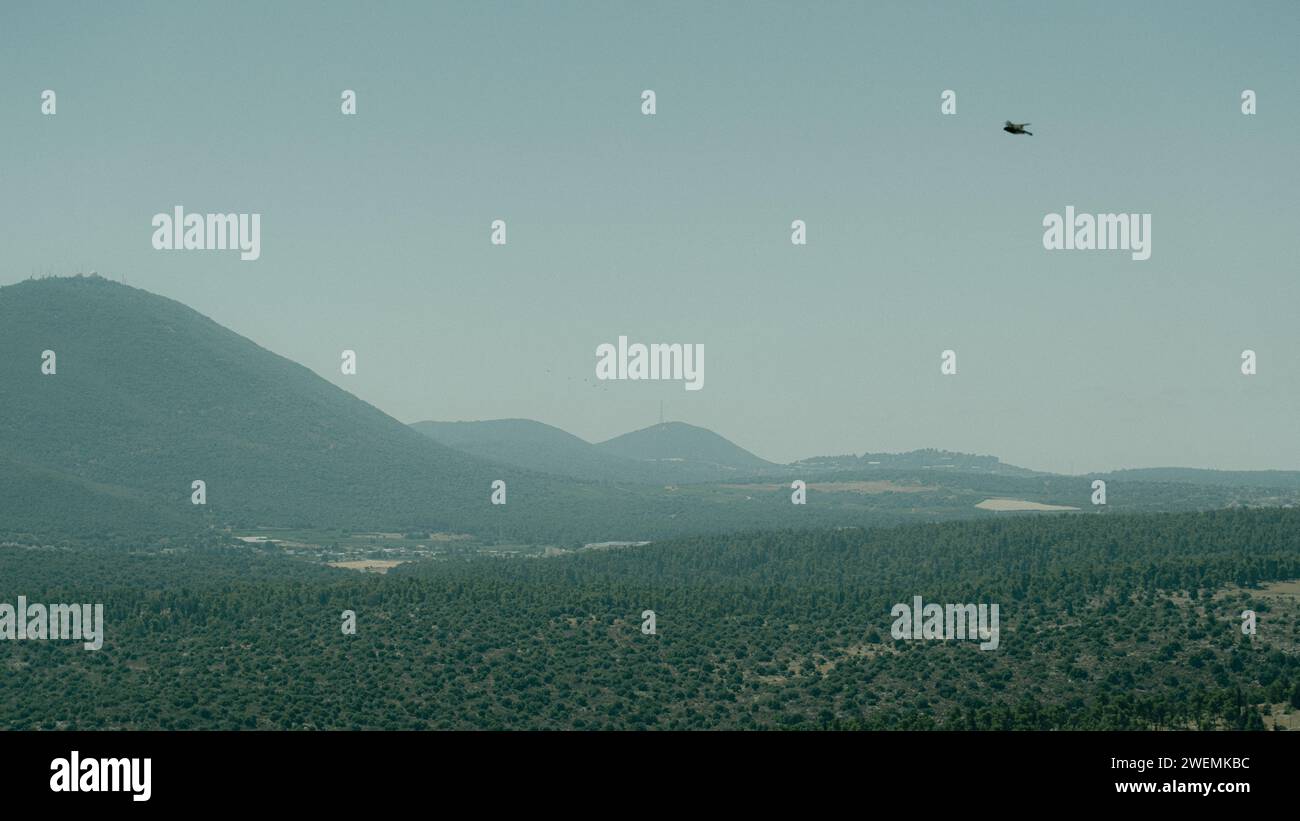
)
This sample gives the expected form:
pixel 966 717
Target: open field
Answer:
pixel 1018 504
pixel 867 487
pixel 368 565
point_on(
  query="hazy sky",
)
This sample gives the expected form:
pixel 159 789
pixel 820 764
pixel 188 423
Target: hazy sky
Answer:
pixel 924 230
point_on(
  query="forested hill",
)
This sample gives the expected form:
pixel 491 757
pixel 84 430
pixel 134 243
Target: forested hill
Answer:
pixel 669 453
pixel 543 448
pixel 688 445
pixel 149 395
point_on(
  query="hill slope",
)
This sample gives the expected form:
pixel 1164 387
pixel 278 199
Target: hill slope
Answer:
pixel 150 395
pixel 39 505
pixel 686 445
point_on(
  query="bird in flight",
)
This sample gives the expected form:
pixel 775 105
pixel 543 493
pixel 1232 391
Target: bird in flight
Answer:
pixel 1016 128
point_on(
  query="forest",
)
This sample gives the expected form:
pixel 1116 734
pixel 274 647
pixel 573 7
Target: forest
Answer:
pixel 1126 621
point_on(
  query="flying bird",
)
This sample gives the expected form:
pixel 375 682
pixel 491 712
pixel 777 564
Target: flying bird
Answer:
pixel 1016 128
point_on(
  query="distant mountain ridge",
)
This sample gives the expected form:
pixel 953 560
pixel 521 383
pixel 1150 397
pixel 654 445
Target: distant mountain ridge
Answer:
pixel 533 445
pixel 680 442
pixel 148 396
pixel 1282 479
pixel 923 459
pixel 666 453
pixel 672 452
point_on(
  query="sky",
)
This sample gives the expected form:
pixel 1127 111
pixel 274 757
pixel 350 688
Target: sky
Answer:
pixel 925 230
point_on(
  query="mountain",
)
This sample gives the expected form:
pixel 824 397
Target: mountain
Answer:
pixel 675 453
pixel 687 446
pixel 40 506
pixel 647 456
pixel 148 395
pixel 535 446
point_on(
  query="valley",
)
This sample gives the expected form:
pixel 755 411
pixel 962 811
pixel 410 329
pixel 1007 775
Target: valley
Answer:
pixel 772 605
